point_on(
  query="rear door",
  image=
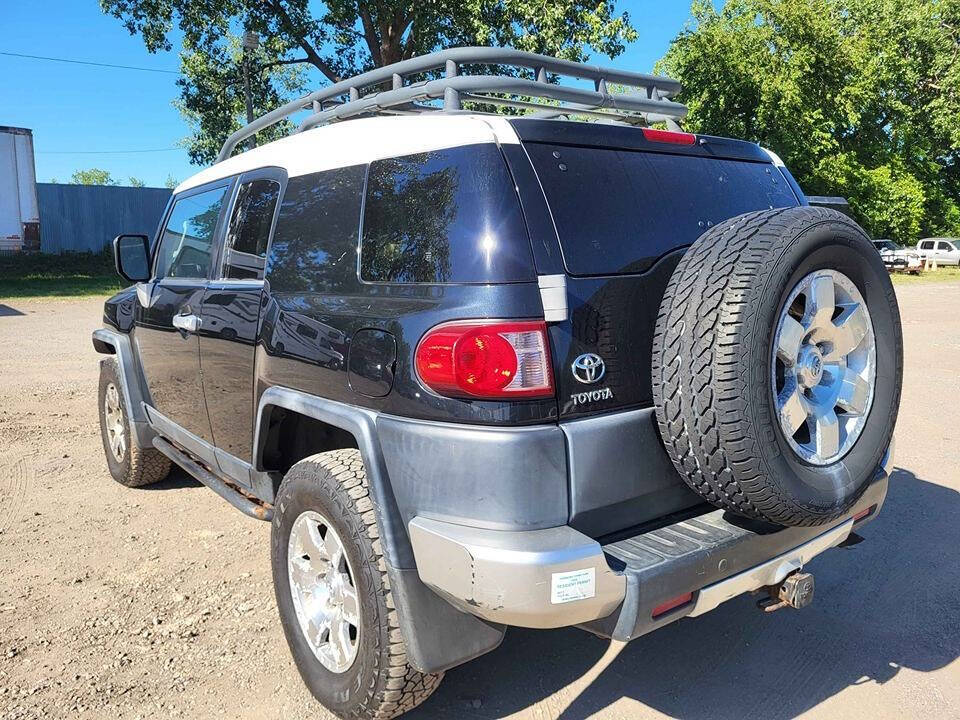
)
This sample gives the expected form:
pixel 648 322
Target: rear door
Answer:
pixel 623 216
pixel 623 211
pixel 168 309
pixel 231 313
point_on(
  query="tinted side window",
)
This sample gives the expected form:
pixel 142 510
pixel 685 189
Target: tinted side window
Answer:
pixel 926 245
pixel 188 235
pixel 249 230
pixel 446 216
pixel 315 242
pixel 944 246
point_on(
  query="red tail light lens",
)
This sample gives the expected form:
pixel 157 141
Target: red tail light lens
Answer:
pixel 492 360
pixel 668 136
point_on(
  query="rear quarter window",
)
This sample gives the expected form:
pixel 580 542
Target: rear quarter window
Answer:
pixel 618 211
pixel 314 246
pixel 449 216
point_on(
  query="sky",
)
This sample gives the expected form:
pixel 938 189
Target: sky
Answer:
pixel 124 121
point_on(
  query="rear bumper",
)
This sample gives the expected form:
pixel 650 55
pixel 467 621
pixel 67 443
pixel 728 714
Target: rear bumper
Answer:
pixel 558 576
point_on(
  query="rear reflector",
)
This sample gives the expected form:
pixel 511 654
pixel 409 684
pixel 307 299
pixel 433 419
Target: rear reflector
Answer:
pixel 864 513
pixel 666 607
pixel 669 136
pixel 486 359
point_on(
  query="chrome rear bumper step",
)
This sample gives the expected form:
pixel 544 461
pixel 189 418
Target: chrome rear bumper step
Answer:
pixel 692 566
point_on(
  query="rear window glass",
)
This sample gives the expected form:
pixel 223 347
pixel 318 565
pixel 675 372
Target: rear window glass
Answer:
pixel 450 216
pixel 617 211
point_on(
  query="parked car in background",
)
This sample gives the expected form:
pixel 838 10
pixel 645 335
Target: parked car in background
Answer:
pixel 944 250
pixel 897 257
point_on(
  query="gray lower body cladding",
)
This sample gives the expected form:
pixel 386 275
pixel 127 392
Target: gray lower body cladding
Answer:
pixel 599 475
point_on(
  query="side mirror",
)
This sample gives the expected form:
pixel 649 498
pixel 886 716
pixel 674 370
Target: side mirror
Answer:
pixel 131 255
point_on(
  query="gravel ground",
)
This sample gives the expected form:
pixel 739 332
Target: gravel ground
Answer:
pixel 157 602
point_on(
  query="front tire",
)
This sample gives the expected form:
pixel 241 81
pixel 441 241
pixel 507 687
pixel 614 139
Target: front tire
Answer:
pixel 129 464
pixel 332 589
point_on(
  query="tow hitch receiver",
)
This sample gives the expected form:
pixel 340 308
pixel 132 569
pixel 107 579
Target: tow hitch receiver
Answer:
pixel 795 591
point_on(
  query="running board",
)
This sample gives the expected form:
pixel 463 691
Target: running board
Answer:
pixel 230 494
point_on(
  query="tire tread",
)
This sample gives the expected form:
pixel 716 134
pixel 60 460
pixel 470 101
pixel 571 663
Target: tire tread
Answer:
pixel 704 327
pixel 403 687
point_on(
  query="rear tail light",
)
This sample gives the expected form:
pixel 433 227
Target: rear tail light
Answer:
pixel 669 136
pixel 486 359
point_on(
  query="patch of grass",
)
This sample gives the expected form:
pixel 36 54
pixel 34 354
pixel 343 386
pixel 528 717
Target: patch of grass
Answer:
pixel 943 274
pixel 70 274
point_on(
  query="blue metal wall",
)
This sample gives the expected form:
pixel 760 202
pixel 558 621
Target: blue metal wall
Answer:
pixel 77 218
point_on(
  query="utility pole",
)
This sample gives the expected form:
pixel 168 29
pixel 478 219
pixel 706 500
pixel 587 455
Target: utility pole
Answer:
pixel 251 41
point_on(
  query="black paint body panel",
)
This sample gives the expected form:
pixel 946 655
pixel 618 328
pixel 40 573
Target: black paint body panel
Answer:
pixel 373 361
pixel 170 357
pixel 228 336
pixel 118 310
pixel 318 365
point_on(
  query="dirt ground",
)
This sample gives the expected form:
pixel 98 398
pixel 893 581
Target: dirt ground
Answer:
pixel 158 603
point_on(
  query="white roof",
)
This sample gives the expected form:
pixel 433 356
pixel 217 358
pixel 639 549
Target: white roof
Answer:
pixel 355 142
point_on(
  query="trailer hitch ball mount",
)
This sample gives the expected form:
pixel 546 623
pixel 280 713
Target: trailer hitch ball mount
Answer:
pixel 796 591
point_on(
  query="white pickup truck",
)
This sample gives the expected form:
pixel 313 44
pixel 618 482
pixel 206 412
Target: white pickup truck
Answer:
pixel 946 251
pixel 898 258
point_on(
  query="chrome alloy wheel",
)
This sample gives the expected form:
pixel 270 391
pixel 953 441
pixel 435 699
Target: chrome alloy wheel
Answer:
pixel 324 591
pixel 114 422
pixel 824 366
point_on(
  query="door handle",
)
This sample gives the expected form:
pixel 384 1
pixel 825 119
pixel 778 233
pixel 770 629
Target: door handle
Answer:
pixel 187 323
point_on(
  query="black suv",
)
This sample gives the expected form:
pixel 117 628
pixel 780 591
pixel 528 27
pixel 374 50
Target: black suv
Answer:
pixel 483 371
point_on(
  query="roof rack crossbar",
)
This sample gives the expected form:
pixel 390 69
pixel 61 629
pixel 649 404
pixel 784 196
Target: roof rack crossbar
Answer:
pixel 347 99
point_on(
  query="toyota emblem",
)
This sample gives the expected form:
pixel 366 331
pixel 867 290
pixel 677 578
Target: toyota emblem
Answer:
pixel 588 368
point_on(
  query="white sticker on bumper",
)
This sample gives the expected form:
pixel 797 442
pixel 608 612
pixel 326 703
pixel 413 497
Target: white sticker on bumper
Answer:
pixel 572 585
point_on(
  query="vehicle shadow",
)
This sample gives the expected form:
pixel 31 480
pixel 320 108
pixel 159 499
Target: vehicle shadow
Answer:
pixel 7 311
pixel 888 603
pixel 177 479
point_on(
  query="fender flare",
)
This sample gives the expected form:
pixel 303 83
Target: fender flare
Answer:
pixel 111 342
pixel 362 424
pixel 437 635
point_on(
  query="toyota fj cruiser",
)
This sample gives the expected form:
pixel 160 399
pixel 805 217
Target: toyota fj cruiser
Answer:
pixel 483 371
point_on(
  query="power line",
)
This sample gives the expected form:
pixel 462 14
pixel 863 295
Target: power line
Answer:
pixel 87 62
pixel 102 152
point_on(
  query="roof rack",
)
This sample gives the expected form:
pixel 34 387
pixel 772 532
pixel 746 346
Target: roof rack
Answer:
pixel 346 99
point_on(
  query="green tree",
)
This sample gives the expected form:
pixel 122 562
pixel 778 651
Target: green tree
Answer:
pixel 859 97
pixel 135 182
pixel 339 38
pixel 171 182
pixel 93 176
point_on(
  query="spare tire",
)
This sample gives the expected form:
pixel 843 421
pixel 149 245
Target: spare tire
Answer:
pixel 777 365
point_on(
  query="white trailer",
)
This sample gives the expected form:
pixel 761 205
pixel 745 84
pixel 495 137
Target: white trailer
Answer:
pixel 19 215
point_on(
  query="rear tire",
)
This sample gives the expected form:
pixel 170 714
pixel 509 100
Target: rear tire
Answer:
pixel 717 402
pixel 129 464
pixel 330 489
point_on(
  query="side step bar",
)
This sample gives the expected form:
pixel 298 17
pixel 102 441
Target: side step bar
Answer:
pixel 228 493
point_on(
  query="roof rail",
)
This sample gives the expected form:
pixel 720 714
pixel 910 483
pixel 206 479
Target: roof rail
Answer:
pixel 346 99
